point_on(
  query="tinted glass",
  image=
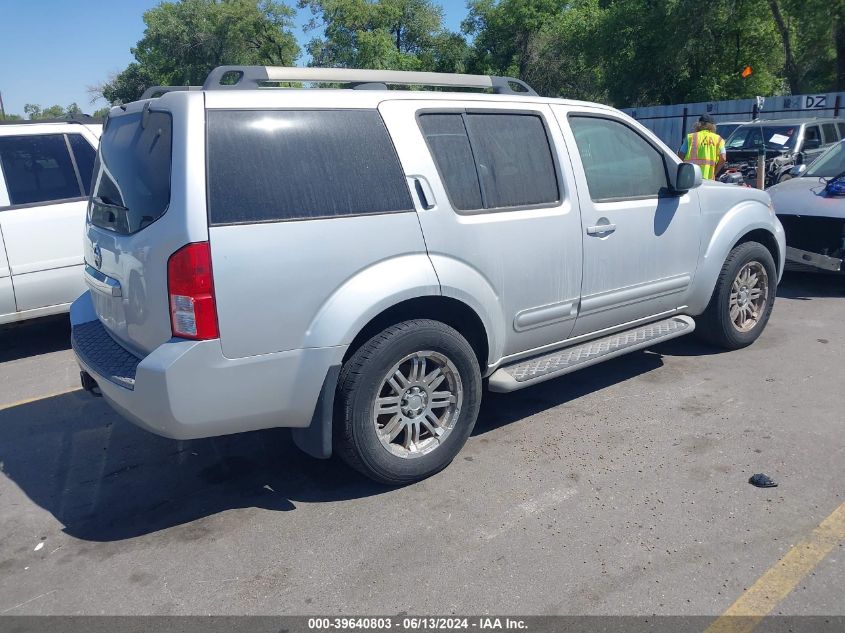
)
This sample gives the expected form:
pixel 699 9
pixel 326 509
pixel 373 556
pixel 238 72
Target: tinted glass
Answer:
pixel 513 159
pixel 830 164
pixel 447 139
pixel 84 155
pixel 294 165
pixel 38 168
pixel 841 127
pixel 812 133
pixel 777 137
pixel 829 133
pixel 132 175
pixel 618 162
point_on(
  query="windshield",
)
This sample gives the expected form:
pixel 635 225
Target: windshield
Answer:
pixel 778 137
pixel 724 129
pixel 132 172
pixel 829 164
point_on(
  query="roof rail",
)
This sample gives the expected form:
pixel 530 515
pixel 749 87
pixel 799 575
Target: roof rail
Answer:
pixel 156 91
pixel 251 77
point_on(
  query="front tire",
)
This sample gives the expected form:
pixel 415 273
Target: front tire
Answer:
pixel 742 300
pixel 406 402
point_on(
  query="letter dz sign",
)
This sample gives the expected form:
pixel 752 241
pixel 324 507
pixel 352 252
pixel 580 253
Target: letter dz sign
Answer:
pixel 815 102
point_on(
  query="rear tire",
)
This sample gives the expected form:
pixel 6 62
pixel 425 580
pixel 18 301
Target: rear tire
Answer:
pixel 406 402
pixel 742 300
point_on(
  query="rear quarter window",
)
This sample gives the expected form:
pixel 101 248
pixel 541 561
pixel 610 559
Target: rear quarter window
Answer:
pixel 281 165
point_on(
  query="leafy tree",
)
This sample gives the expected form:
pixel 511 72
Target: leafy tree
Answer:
pixel 12 117
pixel 396 34
pixel 506 32
pixel 812 36
pixel 34 111
pixel 630 52
pixel 185 39
pixel 101 113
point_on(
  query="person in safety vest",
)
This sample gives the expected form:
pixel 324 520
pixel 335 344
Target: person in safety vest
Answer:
pixel 704 147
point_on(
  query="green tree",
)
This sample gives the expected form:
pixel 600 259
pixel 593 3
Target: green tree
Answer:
pixel 34 111
pixel 812 36
pixel 506 32
pixel 101 113
pixel 185 39
pixel 396 34
pixel 12 117
pixel 630 52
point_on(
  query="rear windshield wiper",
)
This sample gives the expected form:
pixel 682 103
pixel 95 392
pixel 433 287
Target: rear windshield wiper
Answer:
pixel 108 202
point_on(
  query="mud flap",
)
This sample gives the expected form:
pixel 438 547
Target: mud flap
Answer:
pixel 316 439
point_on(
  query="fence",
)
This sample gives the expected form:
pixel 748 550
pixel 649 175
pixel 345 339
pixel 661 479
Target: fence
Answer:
pixel 672 122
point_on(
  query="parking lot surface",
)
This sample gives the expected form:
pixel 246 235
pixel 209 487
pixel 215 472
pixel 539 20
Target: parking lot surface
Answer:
pixel 619 489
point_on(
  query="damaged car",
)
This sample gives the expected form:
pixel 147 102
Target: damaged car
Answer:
pixel 811 207
pixel 786 142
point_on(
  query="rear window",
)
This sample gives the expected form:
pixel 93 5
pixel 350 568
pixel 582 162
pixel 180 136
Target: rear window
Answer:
pixel 280 165
pixel 132 172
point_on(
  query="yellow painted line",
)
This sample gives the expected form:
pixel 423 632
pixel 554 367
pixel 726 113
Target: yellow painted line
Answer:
pixel 19 403
pixel 778 582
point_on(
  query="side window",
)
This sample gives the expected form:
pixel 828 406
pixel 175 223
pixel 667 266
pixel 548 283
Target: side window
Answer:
pixel 84 155
pixel 812 134
pixel 447 139
pixel 38 168
pixel 275 165
pixel 492 160
pixel 618 162
pixel 841 126
pixel 829 130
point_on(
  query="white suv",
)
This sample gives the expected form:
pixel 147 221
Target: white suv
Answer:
pixel 45 180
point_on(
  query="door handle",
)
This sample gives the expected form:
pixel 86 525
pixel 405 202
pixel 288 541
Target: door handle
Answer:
pixel 601 229
pixel 424 192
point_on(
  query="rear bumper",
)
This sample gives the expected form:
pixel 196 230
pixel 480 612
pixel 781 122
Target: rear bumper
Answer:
pixel 188 389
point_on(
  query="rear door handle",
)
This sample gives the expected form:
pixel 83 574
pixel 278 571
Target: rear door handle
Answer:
pixel 424 192
pixel 601 229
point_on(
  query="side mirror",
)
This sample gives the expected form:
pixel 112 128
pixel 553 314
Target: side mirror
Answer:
pixel 812 143
pixel 798 170
pixel 687 177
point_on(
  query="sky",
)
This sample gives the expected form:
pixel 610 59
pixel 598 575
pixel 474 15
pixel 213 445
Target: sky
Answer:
pixel 52 50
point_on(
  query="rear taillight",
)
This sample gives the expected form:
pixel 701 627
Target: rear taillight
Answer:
pixel 193 313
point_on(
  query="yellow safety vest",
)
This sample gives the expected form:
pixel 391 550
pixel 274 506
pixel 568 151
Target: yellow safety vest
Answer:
pixel 703 150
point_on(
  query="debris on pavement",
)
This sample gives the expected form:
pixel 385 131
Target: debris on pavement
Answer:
pixel 762 481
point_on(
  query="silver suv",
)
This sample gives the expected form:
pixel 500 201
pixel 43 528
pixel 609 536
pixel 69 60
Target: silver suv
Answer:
pixel 357 263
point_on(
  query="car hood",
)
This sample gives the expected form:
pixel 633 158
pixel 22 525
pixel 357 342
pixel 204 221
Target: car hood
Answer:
pixel 806 196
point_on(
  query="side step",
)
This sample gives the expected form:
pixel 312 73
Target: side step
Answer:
pixel 563 361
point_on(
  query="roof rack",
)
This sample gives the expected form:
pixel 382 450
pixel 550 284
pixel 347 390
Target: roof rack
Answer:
pixel 252 77
pixel 156 91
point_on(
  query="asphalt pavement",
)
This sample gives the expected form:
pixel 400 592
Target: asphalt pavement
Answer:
pixel 619 489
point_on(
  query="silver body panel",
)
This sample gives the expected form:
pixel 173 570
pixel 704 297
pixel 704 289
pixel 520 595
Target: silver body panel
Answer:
pixel 291 296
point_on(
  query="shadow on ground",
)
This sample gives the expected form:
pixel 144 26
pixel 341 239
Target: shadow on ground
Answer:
pixel 807 286
pixel 32 338
pixel 105 479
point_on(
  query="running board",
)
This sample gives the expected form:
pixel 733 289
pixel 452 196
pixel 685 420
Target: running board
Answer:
pixel 563 361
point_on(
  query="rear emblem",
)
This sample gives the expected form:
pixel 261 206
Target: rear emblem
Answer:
pixel 98 256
